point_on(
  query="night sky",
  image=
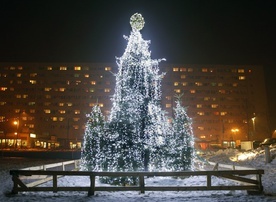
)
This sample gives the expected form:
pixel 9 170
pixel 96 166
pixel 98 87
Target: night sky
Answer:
pixel 189 32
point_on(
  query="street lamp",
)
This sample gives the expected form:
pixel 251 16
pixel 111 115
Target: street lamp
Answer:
pixel 234 130
pixel 253 122
pixel 16 122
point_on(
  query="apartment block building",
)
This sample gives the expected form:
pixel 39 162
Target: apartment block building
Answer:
pixel 45 105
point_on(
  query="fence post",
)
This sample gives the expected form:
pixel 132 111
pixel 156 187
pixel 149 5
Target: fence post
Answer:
pixel 142 183
pixel 15 185
pixel 267 154
pixel 91 190
pixel 55 183
pixel 209 183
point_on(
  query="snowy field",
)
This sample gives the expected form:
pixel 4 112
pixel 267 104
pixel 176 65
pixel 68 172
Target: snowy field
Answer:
pixel 254 159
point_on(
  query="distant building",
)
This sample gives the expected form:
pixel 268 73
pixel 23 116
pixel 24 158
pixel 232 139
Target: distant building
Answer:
pixel 227 103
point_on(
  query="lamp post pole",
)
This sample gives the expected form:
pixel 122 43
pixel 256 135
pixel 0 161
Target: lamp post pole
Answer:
pixel 17 126
pixel 234 130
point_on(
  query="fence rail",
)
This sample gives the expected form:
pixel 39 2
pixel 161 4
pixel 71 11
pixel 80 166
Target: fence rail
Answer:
pixel 35 180
pixel 242 176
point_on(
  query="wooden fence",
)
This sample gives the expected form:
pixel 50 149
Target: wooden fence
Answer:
pixel 241 176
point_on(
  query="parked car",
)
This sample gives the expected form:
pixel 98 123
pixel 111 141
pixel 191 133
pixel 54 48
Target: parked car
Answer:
pixel 268 141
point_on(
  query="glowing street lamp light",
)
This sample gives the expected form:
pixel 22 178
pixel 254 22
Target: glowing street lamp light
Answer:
pixel 253 122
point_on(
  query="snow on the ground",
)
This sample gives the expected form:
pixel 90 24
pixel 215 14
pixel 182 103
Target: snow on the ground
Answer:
pixel 254 159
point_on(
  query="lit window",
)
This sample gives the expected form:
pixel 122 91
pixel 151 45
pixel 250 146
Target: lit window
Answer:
pixel 18 75
pixel 223 113
pixel 17 111
pixel 184 83
pixel 33 74
pixel 54 118
pixel 47 111
pixel 24 96
pixel 33 81
pixel 220 84
pixel 49 68
pixel 177 90
pixel 18 96
pixel 222 91
pixel 107 68
pixel 61 89
pixel 47 89
pixel 93 82
pixel 62 68
pixel 62 111
pixel 168 97
pixel 235 84
pixel 240 70
pixel 202 136
pixel 198 83
pixel 107 90
pixel 175 69
pixel 69 104
pixel 91 90
pixel 76 127
pixel 77 112
pixel 175 84
pixel 200 113
pixel 2 103
pixel 214 105
pixel 3 88
pixel 31 125
pixel 101 104
pixel 190 70
pixel 204 70
pixel 241 77
pixel 206 98
pixel 86 75
pixel 216 113
pixel 183 76
pixel 61 104
pixel 200 128
pixel 77 68
pixel 32 111
pixel 192 91
pixel 183 69
pixel 168 105
pixel 199 106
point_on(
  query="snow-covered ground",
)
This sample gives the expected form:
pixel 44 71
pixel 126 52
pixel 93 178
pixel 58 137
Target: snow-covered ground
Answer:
pixel 254 159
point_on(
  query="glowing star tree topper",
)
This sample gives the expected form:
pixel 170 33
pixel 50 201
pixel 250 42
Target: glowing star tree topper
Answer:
pixel 137 21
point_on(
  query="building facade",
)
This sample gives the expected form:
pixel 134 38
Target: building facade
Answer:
pixel 44 105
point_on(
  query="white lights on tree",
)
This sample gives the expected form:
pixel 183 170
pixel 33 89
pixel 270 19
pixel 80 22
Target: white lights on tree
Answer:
pixel 137 135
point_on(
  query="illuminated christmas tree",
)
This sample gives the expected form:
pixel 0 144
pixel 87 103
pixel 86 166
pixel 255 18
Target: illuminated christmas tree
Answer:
pixel 137 122
pixel 137 135
pixel 94 141
pixel 183 153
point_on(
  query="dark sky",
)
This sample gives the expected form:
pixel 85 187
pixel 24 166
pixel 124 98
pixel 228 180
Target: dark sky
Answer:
pixel 189 32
